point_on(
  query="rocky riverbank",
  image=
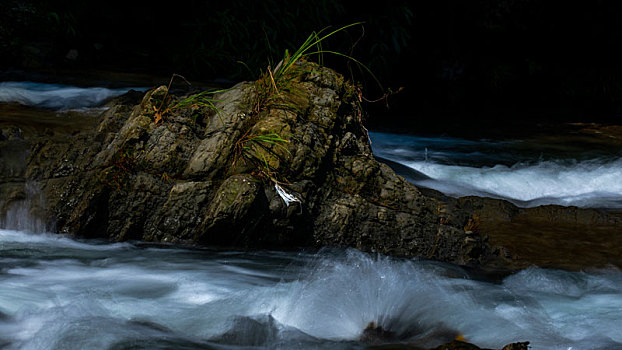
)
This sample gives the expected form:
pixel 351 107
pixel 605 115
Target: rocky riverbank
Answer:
pixel 261 167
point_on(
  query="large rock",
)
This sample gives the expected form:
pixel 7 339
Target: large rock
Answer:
pixel 204 175
pixel 211 173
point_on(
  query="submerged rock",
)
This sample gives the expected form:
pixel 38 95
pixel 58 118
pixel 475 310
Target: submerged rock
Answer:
pixel 246 331
pixel 374 333
pixel 517 346
pixel 460 345
pixel 419 336
pixel 419 340
pixel 457 345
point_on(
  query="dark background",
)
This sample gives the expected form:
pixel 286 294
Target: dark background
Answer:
pixel 477 61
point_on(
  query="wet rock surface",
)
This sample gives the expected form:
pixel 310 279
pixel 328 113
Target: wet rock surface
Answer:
pixel 206 175
pixel 551 235
pixel 192 178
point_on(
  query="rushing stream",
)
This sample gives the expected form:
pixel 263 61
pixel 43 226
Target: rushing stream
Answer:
pixel 60 293
pixel 56 96
pixel 527 174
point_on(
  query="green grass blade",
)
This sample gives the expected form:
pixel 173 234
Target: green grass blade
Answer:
pixel 313 40
pixel 352 59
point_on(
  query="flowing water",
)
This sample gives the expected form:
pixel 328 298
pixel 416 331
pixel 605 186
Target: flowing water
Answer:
pixel 61 293
pixel 525 173
pixel 56 96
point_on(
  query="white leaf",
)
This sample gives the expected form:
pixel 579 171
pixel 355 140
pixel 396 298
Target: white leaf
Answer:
pixel 287 197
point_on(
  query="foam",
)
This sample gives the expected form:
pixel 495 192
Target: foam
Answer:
pixel 459 167
pixel 51 293
pixel 592 183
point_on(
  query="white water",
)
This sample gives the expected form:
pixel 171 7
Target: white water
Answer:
pixel 461 168
pixel 58 293
pixel 61 293
pixel 57 96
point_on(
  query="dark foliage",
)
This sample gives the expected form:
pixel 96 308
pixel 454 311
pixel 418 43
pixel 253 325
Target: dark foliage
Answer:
pixel 453 57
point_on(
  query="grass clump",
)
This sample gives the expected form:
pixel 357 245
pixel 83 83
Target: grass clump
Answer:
pixel 274 81
pixel 275 88
pixel 203 99
pixel 312 46
pixel 261 152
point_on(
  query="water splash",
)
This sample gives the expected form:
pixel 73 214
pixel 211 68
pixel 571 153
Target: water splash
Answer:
pixel 341 298
pixel 54 290
pixel 26 212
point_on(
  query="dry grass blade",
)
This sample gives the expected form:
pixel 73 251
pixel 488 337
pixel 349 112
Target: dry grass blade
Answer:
pixel 160 113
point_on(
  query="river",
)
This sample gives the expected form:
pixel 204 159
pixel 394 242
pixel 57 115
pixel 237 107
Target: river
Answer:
pixel 57 292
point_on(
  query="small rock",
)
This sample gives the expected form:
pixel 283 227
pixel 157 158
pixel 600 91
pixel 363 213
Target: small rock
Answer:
pixel 457 345
pixel 375 333
pixel 517 346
